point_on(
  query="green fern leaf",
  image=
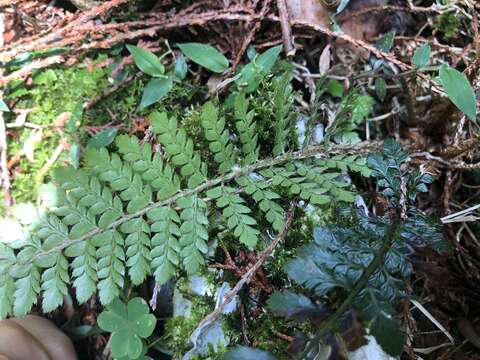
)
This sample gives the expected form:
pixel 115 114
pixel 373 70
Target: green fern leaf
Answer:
pixel 193 232
pixel 179 148
pixel 54 284
pixel 84 269
pixel 246 128
pixel 282 104
pixel 159 175
pixel 260 193
pixel 27 289
pixel 7 282
pixel 218 137
pixel 165 252
pixel 111 265
pixel 89 193
pixel 120 177
pixel 236 215
pixel 137 245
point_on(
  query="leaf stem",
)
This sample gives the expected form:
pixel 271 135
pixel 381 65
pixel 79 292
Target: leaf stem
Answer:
pixel 359 285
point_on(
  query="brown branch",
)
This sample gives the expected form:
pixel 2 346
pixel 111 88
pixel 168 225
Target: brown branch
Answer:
pixel 214 315
pixel 5 177
pixel 286 29
pixel 28 69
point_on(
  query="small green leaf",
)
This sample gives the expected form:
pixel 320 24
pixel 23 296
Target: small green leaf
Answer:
pixel 335 88
pixel 247 353
pixel 3 106
pixel 128 325
pixel 155 90
pixel 103 138
pixel 385 43
pixel 253 73
pixel 205 55
pixel 388 334
pixel 146 61
pixel 381 88
pixel 289 304
pixel 75 155
pixel 459 91
pixel 421 57
pixel 181 68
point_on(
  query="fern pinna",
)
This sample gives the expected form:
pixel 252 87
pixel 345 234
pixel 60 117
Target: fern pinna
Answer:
pixel 138 212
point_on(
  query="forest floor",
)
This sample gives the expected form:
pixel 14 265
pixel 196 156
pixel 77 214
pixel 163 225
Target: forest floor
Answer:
pixel 402 70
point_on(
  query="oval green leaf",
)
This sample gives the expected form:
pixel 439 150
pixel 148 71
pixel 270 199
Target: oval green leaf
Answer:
pixel 155 90
pixel 421 57
pixel 103 138
pixel 459 91
pixel 181 68
pixel 205 55
pixel 146 61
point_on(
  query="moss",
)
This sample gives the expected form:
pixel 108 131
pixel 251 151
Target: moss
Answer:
pixel 448 24
pixel 54 91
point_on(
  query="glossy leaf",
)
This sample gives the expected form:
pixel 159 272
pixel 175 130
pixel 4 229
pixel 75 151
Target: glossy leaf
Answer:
pixel 252 74
pixel 421 57
pixel 181 68
pixel 103 138
pixel 146 61
pixel 205 55
pixel 155 90
pixel 459 91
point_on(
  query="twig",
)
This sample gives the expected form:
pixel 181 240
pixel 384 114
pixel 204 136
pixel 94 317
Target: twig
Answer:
pixel 4 163
pixel 214 315
pixel 27 69
pixel 359 285
pixel 286 29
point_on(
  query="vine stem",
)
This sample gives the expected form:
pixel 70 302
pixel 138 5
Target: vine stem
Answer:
pixel 319 151
pixel 359 285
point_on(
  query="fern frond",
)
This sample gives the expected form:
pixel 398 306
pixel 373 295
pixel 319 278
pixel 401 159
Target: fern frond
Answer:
pixel 137 245
pixel 246 128
pixel 259 190
pixel 89 193
pixel 154 171
pixel 179 148
pixel 111 264
pixel 218 137
pixel 84 268
pixel 282 103
pixel 193 232
pixel 7 282
pixel 236 215
pixel 27 289
pixel 54 284
pixel 165 252
pixel 120 177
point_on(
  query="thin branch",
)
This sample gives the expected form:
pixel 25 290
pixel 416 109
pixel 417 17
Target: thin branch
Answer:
pixel 214 315
pixel 286 29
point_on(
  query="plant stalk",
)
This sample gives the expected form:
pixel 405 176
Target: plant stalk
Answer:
pixel 359 285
